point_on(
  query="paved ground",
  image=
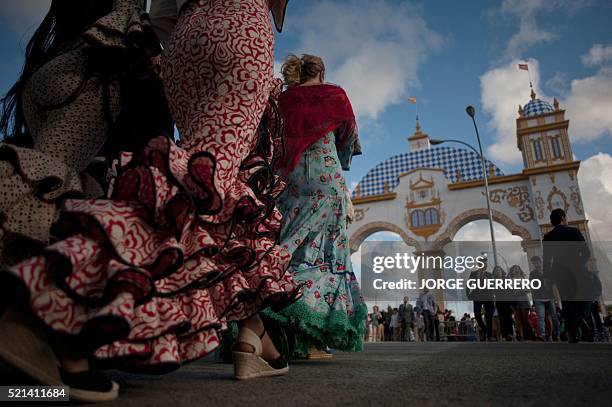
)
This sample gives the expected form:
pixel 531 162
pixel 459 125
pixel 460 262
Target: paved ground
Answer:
pixel 394 374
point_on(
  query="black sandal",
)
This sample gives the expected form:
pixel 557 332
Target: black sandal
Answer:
pixel 90 386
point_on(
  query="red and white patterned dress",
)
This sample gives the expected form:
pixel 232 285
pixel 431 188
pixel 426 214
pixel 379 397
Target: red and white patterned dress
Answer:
pixel 188 239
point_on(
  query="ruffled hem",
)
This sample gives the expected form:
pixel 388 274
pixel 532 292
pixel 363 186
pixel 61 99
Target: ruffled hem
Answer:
pixel 33 185
pixel 145 279
pixel 307 328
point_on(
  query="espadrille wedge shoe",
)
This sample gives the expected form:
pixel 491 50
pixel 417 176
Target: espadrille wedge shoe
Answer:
pixel 252 365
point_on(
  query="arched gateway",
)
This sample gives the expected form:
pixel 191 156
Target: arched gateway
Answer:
pixel 429 193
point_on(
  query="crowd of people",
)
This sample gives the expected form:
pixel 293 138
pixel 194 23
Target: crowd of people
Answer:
pixel 388 326
pixel 565 307
pixel 407 322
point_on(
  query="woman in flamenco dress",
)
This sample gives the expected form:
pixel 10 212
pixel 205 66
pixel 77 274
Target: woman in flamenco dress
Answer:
pixel 321 138
pixel 187 239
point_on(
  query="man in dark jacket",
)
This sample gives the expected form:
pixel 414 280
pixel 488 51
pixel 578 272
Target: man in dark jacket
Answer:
pixel 566 254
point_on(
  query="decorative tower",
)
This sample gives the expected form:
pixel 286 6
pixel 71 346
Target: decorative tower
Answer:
pixel 419 140
pixel 542 137
pixel 542 134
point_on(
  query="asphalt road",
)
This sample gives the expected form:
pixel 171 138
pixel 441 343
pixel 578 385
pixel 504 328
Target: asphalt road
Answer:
pixel 393 374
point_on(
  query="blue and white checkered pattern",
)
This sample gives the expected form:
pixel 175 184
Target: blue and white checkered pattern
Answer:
pixel 536 107
pixel 449 159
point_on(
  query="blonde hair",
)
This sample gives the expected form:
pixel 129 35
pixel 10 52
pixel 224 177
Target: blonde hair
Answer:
pixel 297 70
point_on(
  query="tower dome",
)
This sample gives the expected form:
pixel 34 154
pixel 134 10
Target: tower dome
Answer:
pixel 536 107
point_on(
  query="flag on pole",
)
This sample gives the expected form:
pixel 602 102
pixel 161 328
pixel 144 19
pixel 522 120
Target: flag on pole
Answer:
pixel 412 99
pixel 524 67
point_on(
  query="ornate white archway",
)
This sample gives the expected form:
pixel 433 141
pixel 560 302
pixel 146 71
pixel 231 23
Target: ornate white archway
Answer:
pixel 427 194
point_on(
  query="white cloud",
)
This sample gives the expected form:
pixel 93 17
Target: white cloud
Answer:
pixel 509 250
pixel 503 89
pixel 598 54
pixel 558 83
pixel 372 48
pixel 595 179
pixel 589 106
pixel 384 237
pixel 24 15
pixel 479 231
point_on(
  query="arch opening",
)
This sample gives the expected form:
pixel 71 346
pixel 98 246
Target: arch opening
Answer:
pixel 475 236
pixel 380 233
pixel 478 214
pixel 368 230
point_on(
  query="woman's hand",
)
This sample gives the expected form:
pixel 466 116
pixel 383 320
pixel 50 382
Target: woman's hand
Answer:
pixel 350 210
pixel 156 64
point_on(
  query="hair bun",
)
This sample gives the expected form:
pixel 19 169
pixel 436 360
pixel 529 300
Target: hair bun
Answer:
pixel 291 70
pixel 297 70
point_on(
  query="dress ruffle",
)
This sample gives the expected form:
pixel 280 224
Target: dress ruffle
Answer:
pixel 148 277
pixel 34 181
pixel 125 26
pixel 32 185
pixel 338 329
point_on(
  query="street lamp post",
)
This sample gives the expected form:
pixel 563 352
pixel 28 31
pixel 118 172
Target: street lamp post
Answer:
pixel 471 111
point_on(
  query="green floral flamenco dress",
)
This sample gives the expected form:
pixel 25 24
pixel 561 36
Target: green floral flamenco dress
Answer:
pixel 320 141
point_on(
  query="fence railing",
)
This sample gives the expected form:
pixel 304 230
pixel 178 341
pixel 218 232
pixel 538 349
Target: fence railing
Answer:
pixel 458 331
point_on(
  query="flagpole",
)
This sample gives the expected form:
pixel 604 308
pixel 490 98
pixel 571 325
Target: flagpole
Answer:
pixel 529 75
pixel 530 81
pixel 415 102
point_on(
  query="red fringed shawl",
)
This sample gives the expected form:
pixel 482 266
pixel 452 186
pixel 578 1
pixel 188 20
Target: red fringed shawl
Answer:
pixel 311 112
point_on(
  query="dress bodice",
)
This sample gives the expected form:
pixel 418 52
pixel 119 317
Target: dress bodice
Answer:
pixel 164 15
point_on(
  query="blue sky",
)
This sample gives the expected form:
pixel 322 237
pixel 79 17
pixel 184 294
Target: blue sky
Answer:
pixel 473 40
pixel 449 54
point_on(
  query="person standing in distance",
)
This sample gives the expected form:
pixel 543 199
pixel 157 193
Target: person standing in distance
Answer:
pixel 565 264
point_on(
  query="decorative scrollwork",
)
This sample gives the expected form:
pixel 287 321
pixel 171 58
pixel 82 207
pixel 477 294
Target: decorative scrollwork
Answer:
pixel 360 214
pixel 539 201
pixel 575 199
pixel 516 197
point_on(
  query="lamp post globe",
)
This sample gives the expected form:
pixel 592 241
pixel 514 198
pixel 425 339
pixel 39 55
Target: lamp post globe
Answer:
pixel 471 111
